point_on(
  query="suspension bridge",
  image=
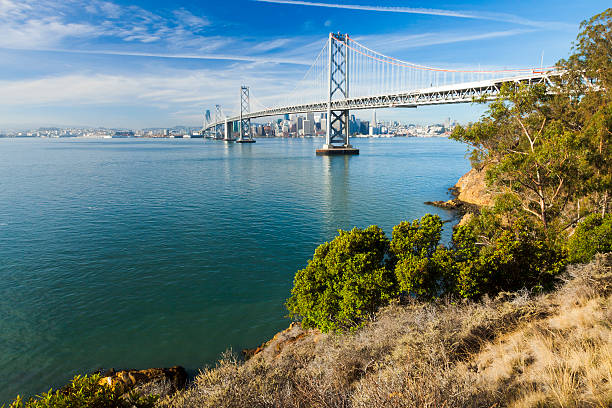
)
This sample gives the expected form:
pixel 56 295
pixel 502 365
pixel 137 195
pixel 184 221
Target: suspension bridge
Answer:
pixel 347 75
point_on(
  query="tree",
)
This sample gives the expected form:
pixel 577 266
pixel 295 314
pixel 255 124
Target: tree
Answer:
pixel 586 88
pixel 345 282
pixel 532 154
pixel 549 149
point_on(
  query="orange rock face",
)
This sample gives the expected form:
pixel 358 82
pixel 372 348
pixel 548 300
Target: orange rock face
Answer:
pixel 160 381
pixel 473 189
pixel 273 347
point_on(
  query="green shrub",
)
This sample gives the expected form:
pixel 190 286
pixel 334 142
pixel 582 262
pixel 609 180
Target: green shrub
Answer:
pixel 86 392
pixel 593 235
pixel 422 267
pixel 349 278
pixel 517 258
pixel 345 282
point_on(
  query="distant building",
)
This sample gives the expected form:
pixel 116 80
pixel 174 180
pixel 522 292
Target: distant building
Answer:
pixel 373 125
pixel 308 127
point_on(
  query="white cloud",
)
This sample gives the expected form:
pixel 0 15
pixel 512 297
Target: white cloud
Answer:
pixel 43 32
pixel 390 43
pixel 271 45
pixel 190 20
pixel 508 18
pixel 195 56
pixel 37 23
pixel 173 88
pixel 104 9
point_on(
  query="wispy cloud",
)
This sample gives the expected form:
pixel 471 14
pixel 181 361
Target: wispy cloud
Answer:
pixel 37 23
pixel 390 43
pixel 197 88
pixel 503 17
pixel 219 57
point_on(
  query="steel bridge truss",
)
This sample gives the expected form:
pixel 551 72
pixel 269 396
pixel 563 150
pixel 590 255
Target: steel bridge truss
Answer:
pixel 337 130
pixel 245 119
pixel 219 120
pixel 460 93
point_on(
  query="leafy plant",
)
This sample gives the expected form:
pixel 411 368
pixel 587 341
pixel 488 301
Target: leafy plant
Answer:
pixel 86 392
pixel 422 266
pixel 593 235
pixel 518 257
pixel 549 153
pixel 345 282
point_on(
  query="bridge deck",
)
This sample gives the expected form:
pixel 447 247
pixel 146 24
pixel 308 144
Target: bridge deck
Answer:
pixel 457 93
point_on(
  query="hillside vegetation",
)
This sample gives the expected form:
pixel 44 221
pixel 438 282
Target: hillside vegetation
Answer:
pixel 517 350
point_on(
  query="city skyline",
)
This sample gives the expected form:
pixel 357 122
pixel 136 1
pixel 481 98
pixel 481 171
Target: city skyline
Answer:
pixel 137 64
pixel 310 124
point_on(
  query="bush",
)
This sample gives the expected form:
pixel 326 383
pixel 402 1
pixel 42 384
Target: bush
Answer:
pixel 349 278
pixel 593 235
pixel 345 282
pixel 517 258
pixel 86 392
pixel 422 266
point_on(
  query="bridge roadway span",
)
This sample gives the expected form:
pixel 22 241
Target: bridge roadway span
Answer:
pixel 456 93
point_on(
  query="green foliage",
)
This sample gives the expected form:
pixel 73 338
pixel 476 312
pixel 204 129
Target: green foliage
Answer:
pixel 516 258
pixel 532 156
pixel 349 278
pixel 421 265
pixel 593 235
pixel 345 282
pixel 86 392
pixel 506 259
pixel 551 151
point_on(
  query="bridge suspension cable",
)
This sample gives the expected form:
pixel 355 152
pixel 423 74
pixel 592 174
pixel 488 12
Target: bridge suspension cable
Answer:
pixel 347 75
pixel 312 86
pixel 372 72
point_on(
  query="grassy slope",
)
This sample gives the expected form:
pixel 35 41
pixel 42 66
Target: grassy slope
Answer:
pixel 517 351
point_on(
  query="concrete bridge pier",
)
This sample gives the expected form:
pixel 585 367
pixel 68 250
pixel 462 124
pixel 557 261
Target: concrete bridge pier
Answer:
pixel 228 131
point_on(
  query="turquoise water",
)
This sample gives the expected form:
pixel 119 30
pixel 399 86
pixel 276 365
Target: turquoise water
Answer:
pixel 133 253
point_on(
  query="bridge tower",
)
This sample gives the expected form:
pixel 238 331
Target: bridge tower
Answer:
pixel 218 119
pixel 204 132
pixel 337 136
pixel 246 134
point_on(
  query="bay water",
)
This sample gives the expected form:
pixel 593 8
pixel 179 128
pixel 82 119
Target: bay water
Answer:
pixel 139 253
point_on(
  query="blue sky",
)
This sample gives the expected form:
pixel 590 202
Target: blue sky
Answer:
pixel 143 63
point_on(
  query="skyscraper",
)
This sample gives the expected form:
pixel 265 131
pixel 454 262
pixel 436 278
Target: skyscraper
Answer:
pixel 373 124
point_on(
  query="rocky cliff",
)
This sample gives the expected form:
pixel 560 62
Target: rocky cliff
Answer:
pixel 471 193
pixel 472 188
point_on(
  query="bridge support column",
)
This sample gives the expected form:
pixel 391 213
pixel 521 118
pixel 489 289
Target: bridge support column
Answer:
pixel 228 131
pixel 246 134
pixel 338 129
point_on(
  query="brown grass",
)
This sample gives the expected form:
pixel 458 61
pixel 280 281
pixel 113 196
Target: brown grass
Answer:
pixel 552 350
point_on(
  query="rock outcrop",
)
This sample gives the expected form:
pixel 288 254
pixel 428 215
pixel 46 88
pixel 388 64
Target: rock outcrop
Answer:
pixel 470 192
pixel 274 346
pixel 159 381
pixel 472 188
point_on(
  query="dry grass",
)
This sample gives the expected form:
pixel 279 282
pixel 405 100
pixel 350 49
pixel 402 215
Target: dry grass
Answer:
pixel 552 350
